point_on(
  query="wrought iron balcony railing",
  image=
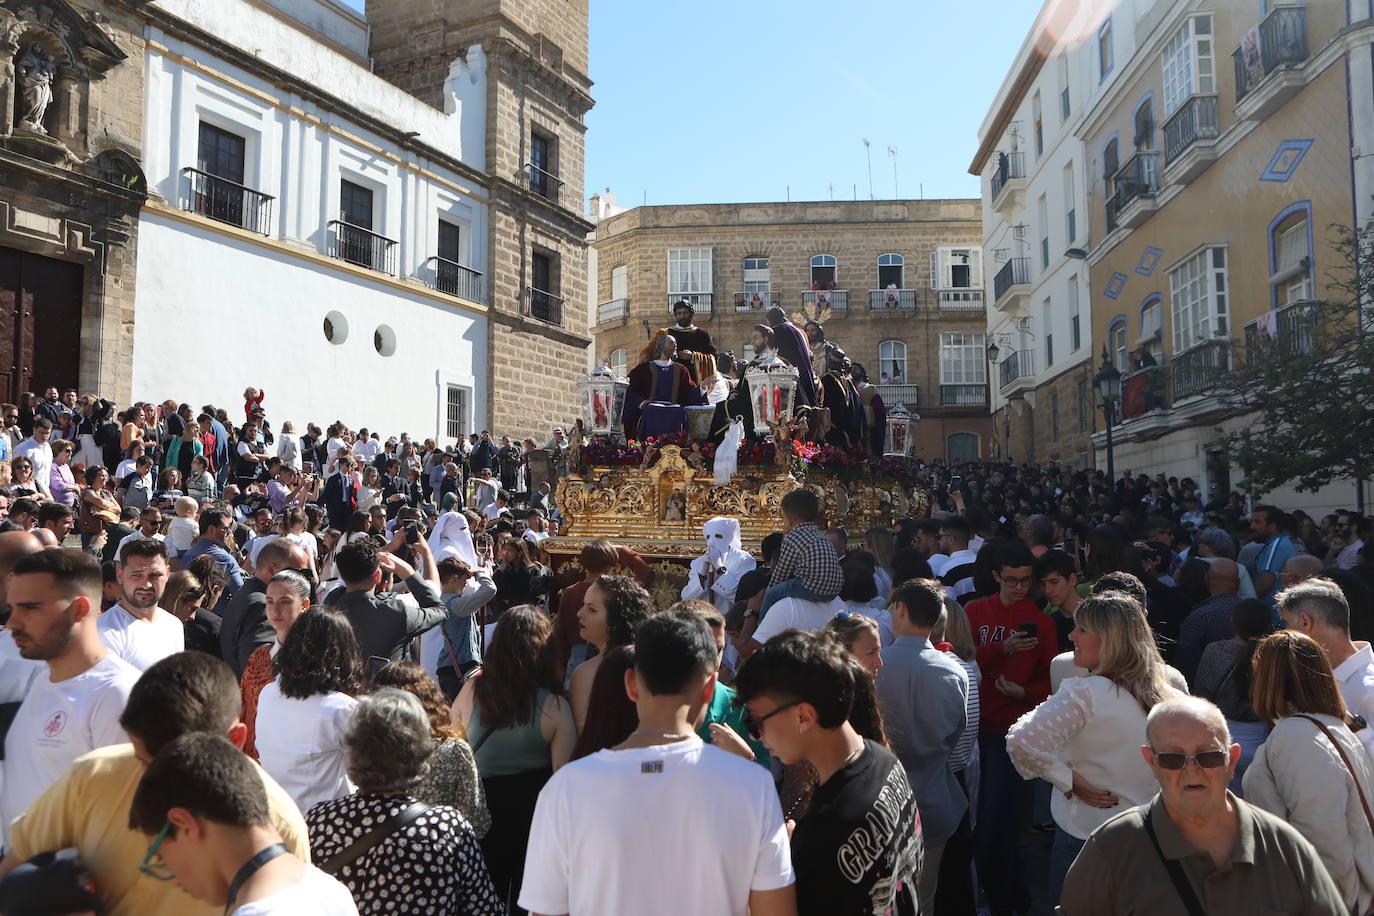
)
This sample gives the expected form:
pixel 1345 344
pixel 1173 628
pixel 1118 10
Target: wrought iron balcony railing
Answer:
pixel 363 247
pixel 229 201
pixel 1196 119
pixel 1282 42
pixel 456 280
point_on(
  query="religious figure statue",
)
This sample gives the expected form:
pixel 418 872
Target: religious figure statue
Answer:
pixel 791 345
pixel 675 506
pixel 659 391
pixel 36 70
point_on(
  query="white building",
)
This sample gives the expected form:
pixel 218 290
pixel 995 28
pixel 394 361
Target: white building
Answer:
pixel 1035 233
pixel 313 230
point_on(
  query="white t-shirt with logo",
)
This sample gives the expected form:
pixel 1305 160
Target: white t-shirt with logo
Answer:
pixel 793 613
pixel 317 894
pixel 57 723
pixel 141 643
pixel 682 827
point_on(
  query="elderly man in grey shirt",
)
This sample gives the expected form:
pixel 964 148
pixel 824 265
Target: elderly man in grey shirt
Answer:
pixel 923 694
pixel 385 623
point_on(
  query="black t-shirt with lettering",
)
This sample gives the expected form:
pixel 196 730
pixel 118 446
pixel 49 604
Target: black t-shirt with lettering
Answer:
pixel 858 849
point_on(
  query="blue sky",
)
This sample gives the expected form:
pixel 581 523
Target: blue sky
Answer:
pixel 721 101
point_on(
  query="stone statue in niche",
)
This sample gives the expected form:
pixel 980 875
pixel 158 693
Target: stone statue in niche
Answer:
pixel 35 70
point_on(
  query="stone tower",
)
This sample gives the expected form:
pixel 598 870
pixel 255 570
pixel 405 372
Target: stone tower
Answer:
pixel 534 55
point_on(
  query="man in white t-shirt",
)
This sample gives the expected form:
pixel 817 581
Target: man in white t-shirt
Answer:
pixel 596 844
pixel 135 628
pixel 794 613
pixel 222 847
pixel 149 526
pixel 37 449
pixel 73 707
pixel 366 449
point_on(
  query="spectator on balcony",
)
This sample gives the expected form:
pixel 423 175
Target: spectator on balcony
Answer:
pixel 891 297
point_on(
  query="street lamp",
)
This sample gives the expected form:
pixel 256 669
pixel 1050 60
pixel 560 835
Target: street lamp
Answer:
pixel 992 351
pixel 1108 382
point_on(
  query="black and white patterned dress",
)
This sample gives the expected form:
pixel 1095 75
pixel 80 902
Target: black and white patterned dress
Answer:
pixel 433 865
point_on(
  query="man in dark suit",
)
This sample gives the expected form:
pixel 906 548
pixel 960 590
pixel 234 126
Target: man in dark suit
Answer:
pixel 340 495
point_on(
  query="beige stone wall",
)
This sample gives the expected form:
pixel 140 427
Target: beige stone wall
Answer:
pixel 789 235
pixel 1026 429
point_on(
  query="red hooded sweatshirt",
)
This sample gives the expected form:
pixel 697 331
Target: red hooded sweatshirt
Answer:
pixel 992 622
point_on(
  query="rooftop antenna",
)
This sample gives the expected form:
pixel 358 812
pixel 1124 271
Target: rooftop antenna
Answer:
pixel 892 151
pixel 831 186
pixel 868 153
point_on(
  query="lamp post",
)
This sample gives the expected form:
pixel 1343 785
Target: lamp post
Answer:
pixel 1108 382
pixel 992 351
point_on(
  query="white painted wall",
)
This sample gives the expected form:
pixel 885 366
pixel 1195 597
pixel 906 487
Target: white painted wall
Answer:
pixel 300 163
pixel 330 19
pixel 216 314
pixel 297 51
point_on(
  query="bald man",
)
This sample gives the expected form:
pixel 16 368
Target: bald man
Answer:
pixel 1300 568
pixel 1232 854
pixel 1318 608
pixel 1210 621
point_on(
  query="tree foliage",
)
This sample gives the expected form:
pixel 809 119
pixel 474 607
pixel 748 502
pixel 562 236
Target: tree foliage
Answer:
pixel 1304 381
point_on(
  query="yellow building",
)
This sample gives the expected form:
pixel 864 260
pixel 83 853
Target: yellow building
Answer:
pixel 1226 142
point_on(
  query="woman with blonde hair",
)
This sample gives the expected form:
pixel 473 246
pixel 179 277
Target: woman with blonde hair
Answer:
pixel 860 637
pixel 1086 738
pixel 1312 771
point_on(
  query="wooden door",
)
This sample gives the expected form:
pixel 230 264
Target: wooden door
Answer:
pixel 40 323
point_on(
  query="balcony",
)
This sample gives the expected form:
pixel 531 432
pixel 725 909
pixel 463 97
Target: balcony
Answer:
pixel 544 306
pixel 1009 180
pixel 453 278
pixel 1265 74
pixel 1195 370
pixel 963 395
pixel 908 396
pixel 1018 370
pixel 229 202
pixel 960 300
pixel 701 302
pixel 757 300
pixel 1288 331
pixel 892 300
pixel 363 247
pixel 1136 184
pixel 1143 391
pixel 1011 283
pixel 546 185
pixel 614 310
pixel 837 300
pixel 1190 136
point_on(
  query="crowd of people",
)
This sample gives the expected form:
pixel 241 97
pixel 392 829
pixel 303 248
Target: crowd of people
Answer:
pixel 336 673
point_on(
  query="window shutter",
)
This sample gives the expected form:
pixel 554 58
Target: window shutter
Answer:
pixel 934 268
pixel 975 268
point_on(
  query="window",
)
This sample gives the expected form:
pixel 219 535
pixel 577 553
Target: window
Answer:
pixel 1042 213
pixel 1106 56
pixel 543 175
pixel 962 359
pixel 1081 406
pixel 823 270
pixel 221 153
pixel 689 274
pixel 1111 164
pixel 1065 108
pixel 757 275
pixel 541 272
pixel 1116 345
pixel 1071 214
pixel 618 362
pixel 956 268
pixel 963 447
pixel 1054 416
pixel 1039 122
pixel 1292 259
pixel 450 242
pixel 1049 337
pixel 620 282
pixel 892 360
pixel 456 411
pixel 1188 63
pixel 1198 292
pixel 355 204
pixel 1075 321
pixel 1145 126
pixel 890 271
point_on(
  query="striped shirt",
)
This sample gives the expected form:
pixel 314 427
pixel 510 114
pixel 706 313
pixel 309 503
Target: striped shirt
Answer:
pixel 963 748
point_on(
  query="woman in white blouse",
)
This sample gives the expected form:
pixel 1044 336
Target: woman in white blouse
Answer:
pixel 1312 770
pixel 1086 738
pixel 301 715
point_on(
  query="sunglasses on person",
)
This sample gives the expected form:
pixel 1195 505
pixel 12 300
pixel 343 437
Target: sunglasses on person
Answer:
pixel 755 726
pixel 1207 760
